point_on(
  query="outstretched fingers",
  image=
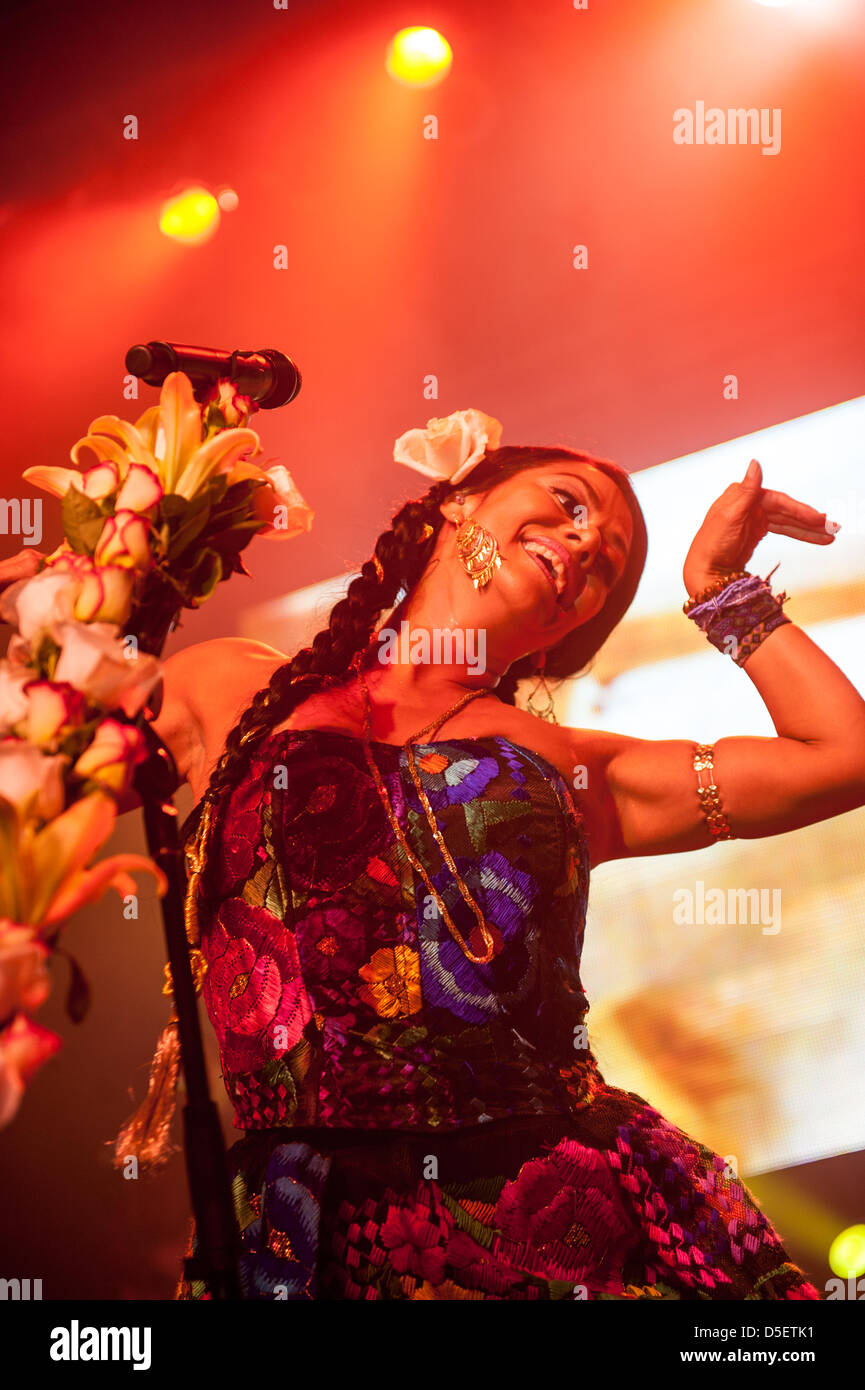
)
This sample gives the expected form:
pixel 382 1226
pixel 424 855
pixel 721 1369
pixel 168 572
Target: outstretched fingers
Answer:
pixel 785 516
pixel 814 537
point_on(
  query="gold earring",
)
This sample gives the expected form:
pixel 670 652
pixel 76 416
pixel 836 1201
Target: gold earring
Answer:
pixel 547 711
pixel 478 551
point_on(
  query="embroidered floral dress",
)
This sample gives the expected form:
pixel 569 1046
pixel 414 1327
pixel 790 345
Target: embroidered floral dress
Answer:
pixel 417 1126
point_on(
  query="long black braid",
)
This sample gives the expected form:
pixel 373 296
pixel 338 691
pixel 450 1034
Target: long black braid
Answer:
pixel 399 559
pixel 402 553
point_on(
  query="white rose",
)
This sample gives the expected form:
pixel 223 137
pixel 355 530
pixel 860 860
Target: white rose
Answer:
pixel 93 659
pixel 32 780
pixel 284 494
pixel 24 980
pixel 450 446
pixel 34 605
pixel 14 704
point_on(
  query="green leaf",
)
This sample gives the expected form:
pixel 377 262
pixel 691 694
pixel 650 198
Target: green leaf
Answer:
pixel 205 577
pixel 83 520
pixel 215 420
pixel 78 995
pixel 186 523
pixel 215 487
pixel 9 835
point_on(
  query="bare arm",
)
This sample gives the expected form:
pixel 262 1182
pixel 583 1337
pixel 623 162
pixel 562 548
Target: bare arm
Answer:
pixel 642 793
pixel 205 689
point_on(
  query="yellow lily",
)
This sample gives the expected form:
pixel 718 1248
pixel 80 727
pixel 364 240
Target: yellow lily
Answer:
pixel 46 878
pixel 180 460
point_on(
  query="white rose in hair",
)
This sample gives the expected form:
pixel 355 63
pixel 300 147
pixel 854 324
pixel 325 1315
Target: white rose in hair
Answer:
pixel 450 446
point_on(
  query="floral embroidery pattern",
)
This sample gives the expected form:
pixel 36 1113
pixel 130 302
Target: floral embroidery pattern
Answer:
pixel 342 1003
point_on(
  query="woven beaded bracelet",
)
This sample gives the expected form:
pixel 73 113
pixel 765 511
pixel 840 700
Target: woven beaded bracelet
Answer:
pixel 740 616
pixel 714 588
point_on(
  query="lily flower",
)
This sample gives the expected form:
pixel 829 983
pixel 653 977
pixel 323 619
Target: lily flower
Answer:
pixel 48 878
pixel 166 440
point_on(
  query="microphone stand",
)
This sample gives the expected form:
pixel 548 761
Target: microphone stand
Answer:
pixel 217 1235
pixel 156 779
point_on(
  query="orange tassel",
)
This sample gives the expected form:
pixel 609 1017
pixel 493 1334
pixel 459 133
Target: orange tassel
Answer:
pixel 146 1136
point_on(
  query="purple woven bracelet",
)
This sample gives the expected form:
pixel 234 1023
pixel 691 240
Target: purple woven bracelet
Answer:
pixel 740 617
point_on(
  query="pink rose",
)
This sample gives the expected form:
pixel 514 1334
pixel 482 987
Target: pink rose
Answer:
pixel 141 490
pixel 95 661
pixel 279 506
pixel 13 701
pixel 233 407
pixel 52 708
pixel 112 756
pixel 104 593
pixel 24 1046
pixel 31 780
pixel 125 541
pixel 100 480
pixel 24 980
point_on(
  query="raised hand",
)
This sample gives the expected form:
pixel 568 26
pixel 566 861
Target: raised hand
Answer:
pixel 739 519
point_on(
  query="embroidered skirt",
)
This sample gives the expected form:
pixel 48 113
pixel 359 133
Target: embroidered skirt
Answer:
pixel 612 1203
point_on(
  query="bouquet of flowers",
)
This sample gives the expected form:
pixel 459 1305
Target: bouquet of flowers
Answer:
pixel 151 527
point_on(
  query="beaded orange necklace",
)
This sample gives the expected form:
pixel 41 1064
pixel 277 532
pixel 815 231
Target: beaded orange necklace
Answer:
pixel 486 934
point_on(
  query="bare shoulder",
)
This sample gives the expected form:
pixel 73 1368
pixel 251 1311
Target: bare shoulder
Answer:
pixel 581 756
pixel 210 675
pixel 206 687
pixel 565 747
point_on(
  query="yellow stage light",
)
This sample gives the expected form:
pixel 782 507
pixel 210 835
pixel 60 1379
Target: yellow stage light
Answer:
pixel 192 216
pixel 847 1253
pixel 419 57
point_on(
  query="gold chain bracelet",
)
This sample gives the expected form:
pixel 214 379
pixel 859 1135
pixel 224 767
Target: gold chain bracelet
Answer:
pixel 707 792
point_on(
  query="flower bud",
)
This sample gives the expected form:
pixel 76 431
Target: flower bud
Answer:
pixel 125 541
pixel 112 756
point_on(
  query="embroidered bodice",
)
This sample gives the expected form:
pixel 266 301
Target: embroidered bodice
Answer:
pixel 336 991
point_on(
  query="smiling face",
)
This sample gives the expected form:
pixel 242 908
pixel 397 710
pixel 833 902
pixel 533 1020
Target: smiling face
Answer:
pixel 564 531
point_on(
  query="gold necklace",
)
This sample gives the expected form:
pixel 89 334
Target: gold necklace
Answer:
pixel 489 943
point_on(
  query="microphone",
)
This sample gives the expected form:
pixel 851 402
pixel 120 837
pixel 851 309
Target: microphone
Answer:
pixel 268 377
